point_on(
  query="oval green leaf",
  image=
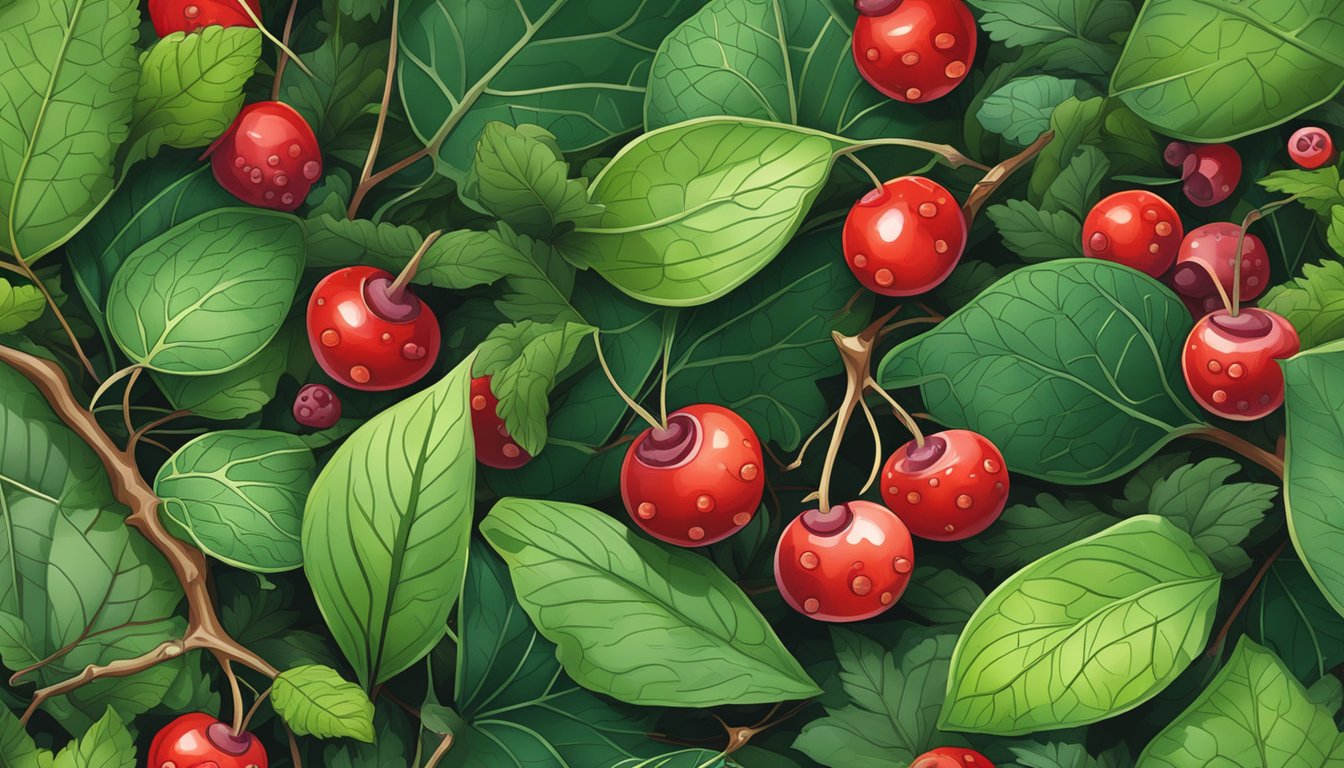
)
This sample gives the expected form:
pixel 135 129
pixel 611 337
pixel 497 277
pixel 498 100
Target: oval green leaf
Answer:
pixel 238 495
pixel 1085 633
pixel 208 294
pixel 386 528
pixel 1071 367
pixel 316 701
pixel 694 210
pixel 637 621
pixel 1312 473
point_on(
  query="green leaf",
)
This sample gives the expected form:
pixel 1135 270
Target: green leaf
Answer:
pixel 1319 190
pixel 942 595
pixel 348 81
pixel 524 383
pixel 1078 186
pixel 1020 110
pixel 16 642
pixel 208 294
pixel 1199 69
pixel 233 394
pixel 1139 486
pixel 1072 368
pixel 1312 474
pixel 191 88
pixel 635 620
pixel 1060 755
pixel 1335 234
pixel 694 210
pixel 1253 715
pixel 68 73
pixel 1026 533
pixel 522 179
pixel 1314 303
pixel 238 495
pixel 1289 615
pixel 893 699
pixel 403 522
pixel 19 305
pixel 1076 123
pixel 578 74
pixel 107 744
pixel 1087 632
pixel 316 701
pixel 1037 235
pixel 1027 22
pixel 361 9
pixel 17 749
pixel 1219 516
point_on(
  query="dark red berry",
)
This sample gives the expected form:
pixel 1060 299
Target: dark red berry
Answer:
pixel 317 406
pixel 1312 148
pixel 952 757
pixel 951 488
pixel 365 337
pixel 1135 228
pixel 268 158
pixel 1231 363
pixel 916 50
pixel 1212 250
pixel 171 16
pixel 197 740
pixel 906 238
pixel 1210 172
pixel 495 447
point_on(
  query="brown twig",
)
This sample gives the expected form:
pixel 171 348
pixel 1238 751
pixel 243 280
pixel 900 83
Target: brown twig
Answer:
pixel 1245 598
pixel 126 400
pixel 293 748
pixel 140 433
pixel 235 691
pixel 169 649
pixel 442 750
pixel 22 268
pixel 999 174
pixel 284 51
pixel 252 710
pixel 1241 446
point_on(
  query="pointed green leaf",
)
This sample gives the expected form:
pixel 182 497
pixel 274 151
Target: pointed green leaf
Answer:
pixel 316 701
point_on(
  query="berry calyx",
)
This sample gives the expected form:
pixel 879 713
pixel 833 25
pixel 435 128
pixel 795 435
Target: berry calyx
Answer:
pixel 905 238
pixel 171 16
pixel 952 757
pixel 950 488
pixel 317 406
pixel 848 564
pixel 495 447
pixel 1312 148
pixel 1135 228
pixel 1211 251
pixel 696 481
pixel 268 157
pixel 916 50
pixel 1209 172
pixel 1231 362
pixel 198 740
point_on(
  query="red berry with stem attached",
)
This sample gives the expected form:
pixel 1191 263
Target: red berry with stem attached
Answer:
pixel 171 16
pixel 1231 362
pixel 198 740
pixel 1135 228
pixel 914 50
pixel 850 564
pixel 1312 148
pixel 1210 172
pixel 368 333
pixel 952 757
pixel 1211 250
pixel 268 157
pixel 317 406
pixel 906 238
pixel 696 482
pixel 495 447
pixel 951 488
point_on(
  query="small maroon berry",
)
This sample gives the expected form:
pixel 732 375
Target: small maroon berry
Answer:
pixel 1210 251
pixel 1211 172
pixel 1312 148
pixel 317 406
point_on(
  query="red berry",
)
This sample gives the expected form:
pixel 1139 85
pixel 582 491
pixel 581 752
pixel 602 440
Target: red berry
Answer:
pixel 906 238
pixel 1231 363
pixel 366 338
pixel 848 565
pixel 494 446
pixel 1211 172
pixel 171 16
pixel 914 50
pixel 1212 248
pixel 317 406
pixel 198 740
pixel 951 757
pixel 1135 228
pixel 1312 148
pixel 696 482
pixel 268 158
pixel 952 488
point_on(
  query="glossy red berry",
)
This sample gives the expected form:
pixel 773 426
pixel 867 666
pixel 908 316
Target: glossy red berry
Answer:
pixel 1210 172
pixel 848 565
pixel 696 482
pixel 171 16
pixel 914 50
pixel 1212 250
pixel 1231 363
pixel 198 740
pixel 950 489
pixel 268 157
pixel 906 238
pixel 1135 228
pixel 494 446
pixel 366 338
pixel 317 406
pixel 952 757
pixel 1312 148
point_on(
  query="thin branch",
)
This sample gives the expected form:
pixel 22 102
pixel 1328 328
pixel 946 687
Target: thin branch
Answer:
pixel 284 51
pixel 366 176
pixel 169 649
pixel 442 750
pixel 126 400
pixel 293 748
pixel 22 268
pixel 1218 641
pixel 266 33
pixel 999 174
pixel 1243 447
pixel 235 691
pixel 252 710
pixel 140 433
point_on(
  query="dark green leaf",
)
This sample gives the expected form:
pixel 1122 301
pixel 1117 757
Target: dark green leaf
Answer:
pixel 521 179
pixel 107 744
pixel 1037 235
pixel 1026 22
pixel 347 81
pixel 1025 533
pixel 524 383
pixel 1077 188
pixel 1219 516
pixel 233 394
pixel 1075 123
pixel 1312 471
pixel 1020 110
pixel 942 595
pixel 1290 616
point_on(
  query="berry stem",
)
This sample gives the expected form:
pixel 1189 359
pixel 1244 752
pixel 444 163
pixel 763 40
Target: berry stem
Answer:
pixel 851 153
pixel 877 447
pixel 901 414
pixel 252 710
pixel 106 385
pixel 945 152
pixel 237 692
pixel 1218 641
pixel 669 333
pixel 802 452
pixel 996 176
pixel 634 406
pixel 1251 218
pixel 284 57
pixel 126 400
pixel 1240 446
pixel 284 49
pixel 398 286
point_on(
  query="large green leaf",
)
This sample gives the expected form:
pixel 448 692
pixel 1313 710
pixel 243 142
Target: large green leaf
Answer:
pixel 575 68
pixel 1087 632
pixel 1071 367
pixel 208 294
pixel 1312 473
pixel 238 495
pixel 1217 70
pixel 1254 714
pixel 695 209
pixel 635 620
pixel 68 74
pixel 1289 615
pixel 88 588
pixel 239 392
pixel 386 528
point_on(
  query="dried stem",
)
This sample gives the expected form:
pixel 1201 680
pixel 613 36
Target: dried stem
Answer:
pixel 284 51
pixel 999 174
pixel 139 434
pixel 1218 641
pixel 395 290
pixel 630 401
pixel 442 750
pixel 1245 448
pixel 282 45
pixel 169 649
pixel 947 153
